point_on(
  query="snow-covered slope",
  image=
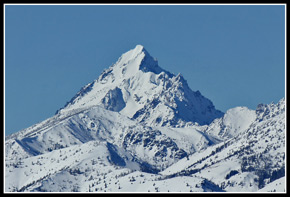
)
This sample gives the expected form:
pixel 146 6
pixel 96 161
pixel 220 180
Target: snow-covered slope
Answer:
pixel 139 128
pixel 275 186
pixel 93 167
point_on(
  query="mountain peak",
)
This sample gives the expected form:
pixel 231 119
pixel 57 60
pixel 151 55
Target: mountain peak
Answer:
pixel 139 47
pixel 138 59
pixel 133 53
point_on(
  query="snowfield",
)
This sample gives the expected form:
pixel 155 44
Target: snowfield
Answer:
pixel 139 128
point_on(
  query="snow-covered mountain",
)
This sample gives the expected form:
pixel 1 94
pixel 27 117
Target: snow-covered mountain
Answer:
pixel 246 162
pixel 138 88
pixel 139 128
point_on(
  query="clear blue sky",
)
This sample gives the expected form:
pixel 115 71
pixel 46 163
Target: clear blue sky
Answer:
pixel 233 54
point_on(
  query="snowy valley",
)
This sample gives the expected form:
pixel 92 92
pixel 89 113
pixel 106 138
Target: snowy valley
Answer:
pixel 140 128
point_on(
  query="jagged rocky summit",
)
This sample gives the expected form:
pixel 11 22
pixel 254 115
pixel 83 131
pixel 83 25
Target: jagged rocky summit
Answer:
pixel 140 128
